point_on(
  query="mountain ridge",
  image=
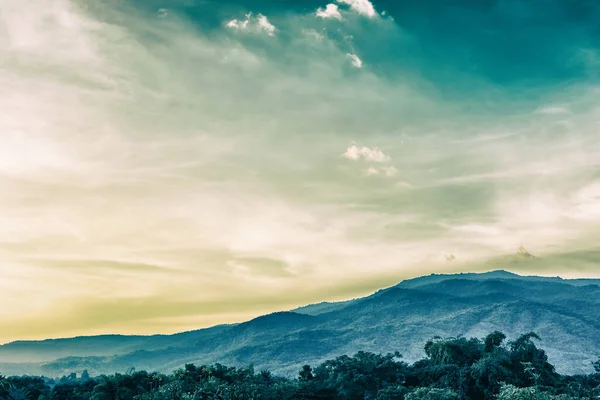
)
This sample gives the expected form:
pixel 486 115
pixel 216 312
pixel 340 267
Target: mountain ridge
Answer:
pixel 401 317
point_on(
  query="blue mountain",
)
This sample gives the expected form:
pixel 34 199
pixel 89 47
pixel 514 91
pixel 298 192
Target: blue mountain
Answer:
pixel 565 313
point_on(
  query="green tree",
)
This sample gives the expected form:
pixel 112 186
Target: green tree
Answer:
pixel 18 393
pixel 455 368
pixel 530 363
pixel 305 374
pixel 459 351
pixel 85 375
pixel 493 341
pixel 596 365
pixel 391 393
pixel 509 392
pixel 432 394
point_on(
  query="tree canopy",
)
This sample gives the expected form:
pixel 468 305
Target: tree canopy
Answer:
pixel 453 369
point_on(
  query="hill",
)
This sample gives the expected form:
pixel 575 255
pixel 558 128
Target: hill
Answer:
pixel 454 368
pixel 565 313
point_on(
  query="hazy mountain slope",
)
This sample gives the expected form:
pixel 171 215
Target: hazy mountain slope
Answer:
pixel 51 349
pixel 565 314
pixel 103 345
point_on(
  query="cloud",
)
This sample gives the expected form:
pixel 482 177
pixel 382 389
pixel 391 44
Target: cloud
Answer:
pixel 371 155
pixel 265 25
pixel 355 153
pixel 364 7
pixel 356 61
pixel 330 11
pixel 187 163
pixel 372 171
pixel 312 32
pixel 553 110
pixel 388 171
pixel 237 24
pixel 260 23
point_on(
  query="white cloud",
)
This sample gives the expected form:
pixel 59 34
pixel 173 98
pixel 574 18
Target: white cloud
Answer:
pixel 553 110
pixel 237 24
pixel 354 153
pixel 364 7
pixel 388 171
pixel 356 61
pixel 257 24
pixel 265 25
pixel 330 11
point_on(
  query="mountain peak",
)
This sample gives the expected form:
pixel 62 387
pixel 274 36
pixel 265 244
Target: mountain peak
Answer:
pixel 500 273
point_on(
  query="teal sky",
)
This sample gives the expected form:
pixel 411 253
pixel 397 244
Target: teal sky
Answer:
pixel 167 165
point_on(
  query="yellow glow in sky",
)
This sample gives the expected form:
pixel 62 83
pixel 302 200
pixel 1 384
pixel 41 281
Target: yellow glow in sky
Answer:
pixel 159 174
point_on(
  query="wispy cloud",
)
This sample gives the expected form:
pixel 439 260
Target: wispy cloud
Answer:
pixel 553 110
pixel 355 60
pixel 354 153
pixel 148 156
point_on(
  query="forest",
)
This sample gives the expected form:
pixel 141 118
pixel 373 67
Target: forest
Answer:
pixel 453 369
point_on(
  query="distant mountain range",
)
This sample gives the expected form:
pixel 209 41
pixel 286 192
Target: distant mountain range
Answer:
pixel 565 313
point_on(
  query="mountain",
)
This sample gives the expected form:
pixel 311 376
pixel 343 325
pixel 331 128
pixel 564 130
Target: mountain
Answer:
pixel 564 312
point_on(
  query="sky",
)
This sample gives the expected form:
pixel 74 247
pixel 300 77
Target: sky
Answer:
pixel 170 165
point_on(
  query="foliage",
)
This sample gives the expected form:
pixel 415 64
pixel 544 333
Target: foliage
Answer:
pixel 509 392
pixel 432 394
pixel 454 369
